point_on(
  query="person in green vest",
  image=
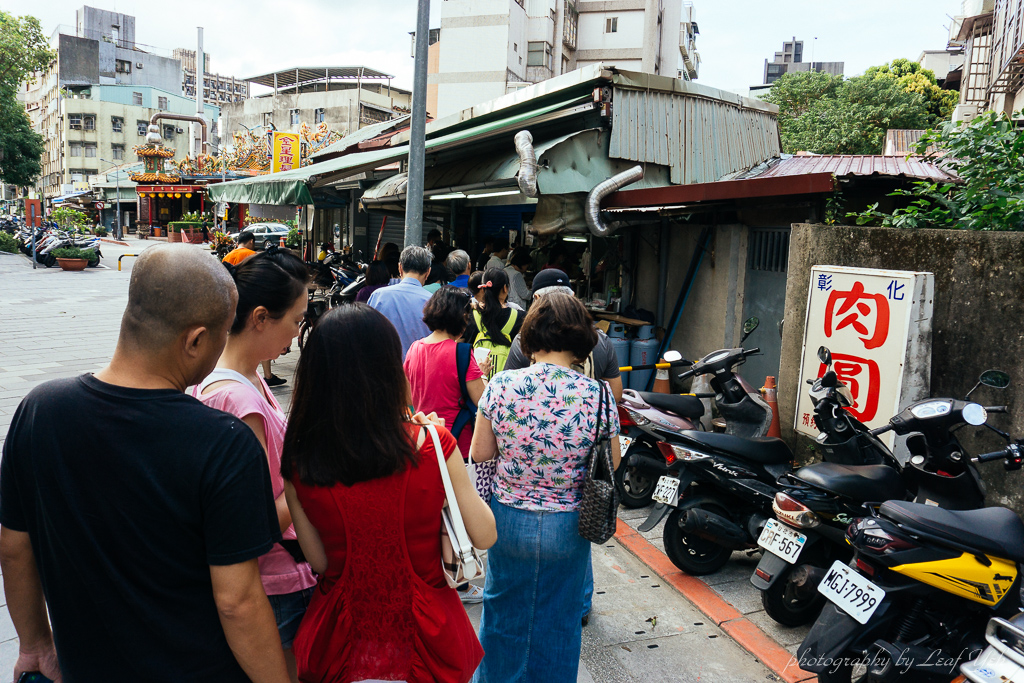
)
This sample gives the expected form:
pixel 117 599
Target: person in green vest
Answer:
pixel 493 324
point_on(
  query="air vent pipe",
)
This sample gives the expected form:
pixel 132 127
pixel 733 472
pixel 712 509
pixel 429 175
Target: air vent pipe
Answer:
pixel 527 176
pixel 592 209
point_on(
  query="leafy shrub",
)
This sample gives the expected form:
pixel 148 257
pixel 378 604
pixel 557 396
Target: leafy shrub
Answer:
pixel 71 252
pixel 292 241
pixel 8 243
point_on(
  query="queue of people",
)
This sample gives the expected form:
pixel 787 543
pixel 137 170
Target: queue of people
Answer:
pixel 235 543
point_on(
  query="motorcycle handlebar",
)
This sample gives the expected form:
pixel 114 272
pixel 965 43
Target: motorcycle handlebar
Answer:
pixel 751 352
pixel 880 430
pixel 996 409
pixel 995 455
pixel 686 374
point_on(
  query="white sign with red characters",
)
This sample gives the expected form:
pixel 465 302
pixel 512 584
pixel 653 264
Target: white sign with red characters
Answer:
pixel 877 324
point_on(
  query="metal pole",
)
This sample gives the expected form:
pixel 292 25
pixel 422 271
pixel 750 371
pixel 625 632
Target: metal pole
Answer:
pixel 117 182
pixel 417 134
pixel 200 75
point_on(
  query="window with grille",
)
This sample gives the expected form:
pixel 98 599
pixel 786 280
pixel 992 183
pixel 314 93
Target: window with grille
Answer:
pixel 88 122
pixel 75 121
pixel 142 126
pixel 168 132
pixel 768 249
pixel 90 151
pixel 75 150
pixel 117 152
pixel 122 66
pixel 137 99
pixel 162 103
pixel 570 24
pixel 318 115
pixel 117 124
pixel 293 116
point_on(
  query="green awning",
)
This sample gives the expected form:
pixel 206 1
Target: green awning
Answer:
pixel 292 188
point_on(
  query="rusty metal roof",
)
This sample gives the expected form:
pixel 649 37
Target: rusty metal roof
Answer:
pixel 899 142
pixel 860 165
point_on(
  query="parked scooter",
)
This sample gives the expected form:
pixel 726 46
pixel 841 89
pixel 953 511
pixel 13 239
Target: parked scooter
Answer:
pixel 924 581
pixel 1003 659
pixel 817 502
pixel 719 490
pixel 646 420
pixel 650 420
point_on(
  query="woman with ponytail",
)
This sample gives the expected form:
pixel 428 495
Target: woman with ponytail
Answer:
pixel 271 302
pixel 493 324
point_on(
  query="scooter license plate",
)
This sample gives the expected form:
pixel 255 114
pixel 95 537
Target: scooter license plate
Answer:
pixel 624 443
pixel 667 491
pixel 779 539
pixel 851 592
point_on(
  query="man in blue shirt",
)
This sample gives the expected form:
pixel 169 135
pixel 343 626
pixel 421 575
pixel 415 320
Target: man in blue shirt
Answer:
pixel 460 265
pixel 403 303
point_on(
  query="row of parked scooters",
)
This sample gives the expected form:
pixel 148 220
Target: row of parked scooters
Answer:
pixel 897 562
pixel 50 237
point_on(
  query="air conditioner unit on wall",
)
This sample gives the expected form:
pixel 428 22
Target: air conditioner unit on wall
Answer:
pixel 138 65
pixel 179 130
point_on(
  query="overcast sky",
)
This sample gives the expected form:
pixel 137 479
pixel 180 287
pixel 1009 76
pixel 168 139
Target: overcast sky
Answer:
pixel 249 37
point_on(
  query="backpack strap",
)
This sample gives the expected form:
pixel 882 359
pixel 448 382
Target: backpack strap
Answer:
pixel 467 410
pixel 510 323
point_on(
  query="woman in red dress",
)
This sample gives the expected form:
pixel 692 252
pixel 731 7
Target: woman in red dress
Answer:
pixel 364 488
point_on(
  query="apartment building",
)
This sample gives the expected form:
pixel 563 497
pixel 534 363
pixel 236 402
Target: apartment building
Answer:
pixel 345 98
pixel 88 102
pixel 791 60
pixel 217 89
pixel 98 126
pixel 991 35
pixel 488 48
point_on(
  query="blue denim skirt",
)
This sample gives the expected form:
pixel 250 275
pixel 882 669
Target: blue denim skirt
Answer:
pixel 533 595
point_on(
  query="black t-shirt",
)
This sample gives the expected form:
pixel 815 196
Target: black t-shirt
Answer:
pixel 605 362
pixel 128 497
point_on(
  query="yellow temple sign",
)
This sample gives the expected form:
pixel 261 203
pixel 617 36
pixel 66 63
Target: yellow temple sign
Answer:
pixel 286 152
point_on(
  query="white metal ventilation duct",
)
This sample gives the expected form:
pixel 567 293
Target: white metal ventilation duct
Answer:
pixel 592 209
pixel 527 176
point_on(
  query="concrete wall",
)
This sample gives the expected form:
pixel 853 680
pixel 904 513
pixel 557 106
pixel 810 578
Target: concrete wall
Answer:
pixel 711 319
pixel 339 106
pixel 978 320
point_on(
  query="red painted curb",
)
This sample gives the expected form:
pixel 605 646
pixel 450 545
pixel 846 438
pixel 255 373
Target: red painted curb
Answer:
pixel 728 618
pixel 110 241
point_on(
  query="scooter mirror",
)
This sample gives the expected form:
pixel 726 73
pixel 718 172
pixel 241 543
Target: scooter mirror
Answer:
pixel 824 355
pixel 995 379
pixel 672 356
pixel 974 414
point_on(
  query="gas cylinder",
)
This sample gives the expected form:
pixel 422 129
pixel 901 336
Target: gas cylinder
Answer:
pixel 642 352
pixel 617 337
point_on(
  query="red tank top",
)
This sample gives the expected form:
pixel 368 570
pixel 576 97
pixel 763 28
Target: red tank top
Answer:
pixel 383 609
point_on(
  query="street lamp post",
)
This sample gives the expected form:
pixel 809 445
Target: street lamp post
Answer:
pixel 117 183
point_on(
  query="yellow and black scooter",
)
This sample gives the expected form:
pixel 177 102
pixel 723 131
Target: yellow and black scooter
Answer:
pixel 924 582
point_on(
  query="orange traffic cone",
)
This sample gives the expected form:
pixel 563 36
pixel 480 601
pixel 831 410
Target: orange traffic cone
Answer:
pixel 282 242
pixel 661 381
pixel 770 396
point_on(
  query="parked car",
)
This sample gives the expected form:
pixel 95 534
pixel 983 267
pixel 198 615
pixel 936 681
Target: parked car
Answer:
pixel 265 234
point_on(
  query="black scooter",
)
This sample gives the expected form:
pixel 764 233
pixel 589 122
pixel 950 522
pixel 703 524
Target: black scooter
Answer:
pixel 718 490
pixel 817 502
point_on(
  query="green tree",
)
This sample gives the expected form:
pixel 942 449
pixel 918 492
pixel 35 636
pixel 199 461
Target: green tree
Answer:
pixel 68 217
pixel 23 49
pixel 829 115
pixel 21 148
pixel 986 154
pixel 913 78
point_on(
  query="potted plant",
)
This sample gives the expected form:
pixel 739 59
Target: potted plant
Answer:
pixel 142 231
pixel 71 258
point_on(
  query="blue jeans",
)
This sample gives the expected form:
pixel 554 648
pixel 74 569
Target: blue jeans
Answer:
pixel 588 585
pixel 530 625
pixel 289 608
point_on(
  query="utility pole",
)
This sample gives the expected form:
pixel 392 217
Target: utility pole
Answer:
pixel 200 73
pixel 417 132
pixel 117 183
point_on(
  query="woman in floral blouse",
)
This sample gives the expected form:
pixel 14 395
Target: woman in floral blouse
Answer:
pixel 540 423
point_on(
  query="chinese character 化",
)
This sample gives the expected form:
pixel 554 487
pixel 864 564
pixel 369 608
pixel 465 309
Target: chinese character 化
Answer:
pixel 894 291
pixel 824 282
pixel 853 308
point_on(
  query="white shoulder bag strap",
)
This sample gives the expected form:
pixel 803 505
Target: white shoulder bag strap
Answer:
pixel 456 527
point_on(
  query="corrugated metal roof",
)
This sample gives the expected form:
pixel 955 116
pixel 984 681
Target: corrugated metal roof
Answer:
pixel 700 139
pixel 355 137
pixel 900 142
pixel 860 165
pixel 298 75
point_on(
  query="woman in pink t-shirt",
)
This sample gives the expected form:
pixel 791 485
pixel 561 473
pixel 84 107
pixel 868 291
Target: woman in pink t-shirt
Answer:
pixel 271 303
pixel 431 363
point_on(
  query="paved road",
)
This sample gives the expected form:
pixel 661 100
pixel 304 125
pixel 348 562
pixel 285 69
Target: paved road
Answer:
pixel 55 324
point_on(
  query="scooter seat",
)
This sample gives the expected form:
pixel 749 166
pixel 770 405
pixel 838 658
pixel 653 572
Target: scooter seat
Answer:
pixel 994 530
pixel 764 450
pixel 683 406
pixel 863 483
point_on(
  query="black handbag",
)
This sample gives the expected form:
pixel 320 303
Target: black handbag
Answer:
pixel 600 502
